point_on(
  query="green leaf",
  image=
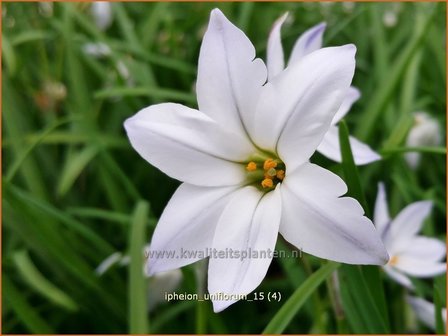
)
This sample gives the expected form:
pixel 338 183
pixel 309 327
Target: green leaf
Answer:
pixel 15 124
pixel 290 308
pixel 351 312
pixel 107 215
pixel 74 166
pixel 138 309
pixel 119 175
pixel 381 97
pixel 36 280
pixel 36 141
pixel 27 314
pixel 246 11
pixel 9 55
pixel 372 274
pixel 76 84
pixel 31 36
pixel 431 150
pixel 372 308
pixel 168 316
pixel 155 93
pixel 68 138
pixel 351 173
pixel 202 307
pixel 48 211
pixel 440 325
pixel 361 301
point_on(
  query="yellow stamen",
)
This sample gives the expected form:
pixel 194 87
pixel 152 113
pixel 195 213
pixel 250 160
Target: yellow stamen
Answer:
pixel 251 166
pixel 269 163
pixel 393 261
pixel 281 174
pixel 271 172
pixel 267 183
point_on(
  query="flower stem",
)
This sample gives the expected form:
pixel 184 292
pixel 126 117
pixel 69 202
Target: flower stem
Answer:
pixel 201 306
pixel 287 312
pixel 319 310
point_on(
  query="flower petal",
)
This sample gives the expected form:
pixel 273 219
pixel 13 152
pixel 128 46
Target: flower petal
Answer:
pixel 381 217
pixel 249 224
pixel 351 97
pixel 419 267
pixel 309 41
pixel 186 228
pixel 330 147
pixel 107 263
pixel 429 249
pixel 398 277
pixel 295 109
pixel 275 58
pixel 187 145
pixel 425 311
pixel 407 224
pixel 161 284
pixel 229 76
pixel 316 220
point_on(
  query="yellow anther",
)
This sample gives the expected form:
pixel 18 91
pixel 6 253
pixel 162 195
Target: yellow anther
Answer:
pixel 393 261
pixel 280 174
pixel 271 172
pixel 267 183
pixel 269 163
pixel 251 166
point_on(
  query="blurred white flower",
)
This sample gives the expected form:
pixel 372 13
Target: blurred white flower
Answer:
pixel 410 254
pixel 425 132
pixel 123 70
pixel 51 95
pixel 107 263
pixel 98 49
pixel 326 4
pixel 162 283
pixel 102 50
pixel 348 6
pixel 238 195
pixel 158 284
pixel 425 311
pixel 55 90
pixel 102 14
pixel 307 43
pixel 325 7
pixel 391 14
pixel 390 18
pixel 46 8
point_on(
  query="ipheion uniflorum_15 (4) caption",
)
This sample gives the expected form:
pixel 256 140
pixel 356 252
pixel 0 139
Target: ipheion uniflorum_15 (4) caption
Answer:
pixel 255 296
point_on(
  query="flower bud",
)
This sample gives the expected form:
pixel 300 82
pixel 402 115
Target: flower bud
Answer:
pixel 425 132
pixel 102 14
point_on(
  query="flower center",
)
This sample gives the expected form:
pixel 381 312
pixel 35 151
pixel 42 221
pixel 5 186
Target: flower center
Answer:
pixel 393 260
pixel 265 172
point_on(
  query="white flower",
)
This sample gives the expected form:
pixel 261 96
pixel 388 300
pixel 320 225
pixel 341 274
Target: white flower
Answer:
pixel 161 283
pixel 425 132
pixel 410 254
pixel 390 18
pixel 307 43
pixel 348 6
pixel 124 73
pixel 107 263
pixel 98 49
pixel 244 160
pixel 46 9
pixel 425 311
pixel 158 284
pixel 102 14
